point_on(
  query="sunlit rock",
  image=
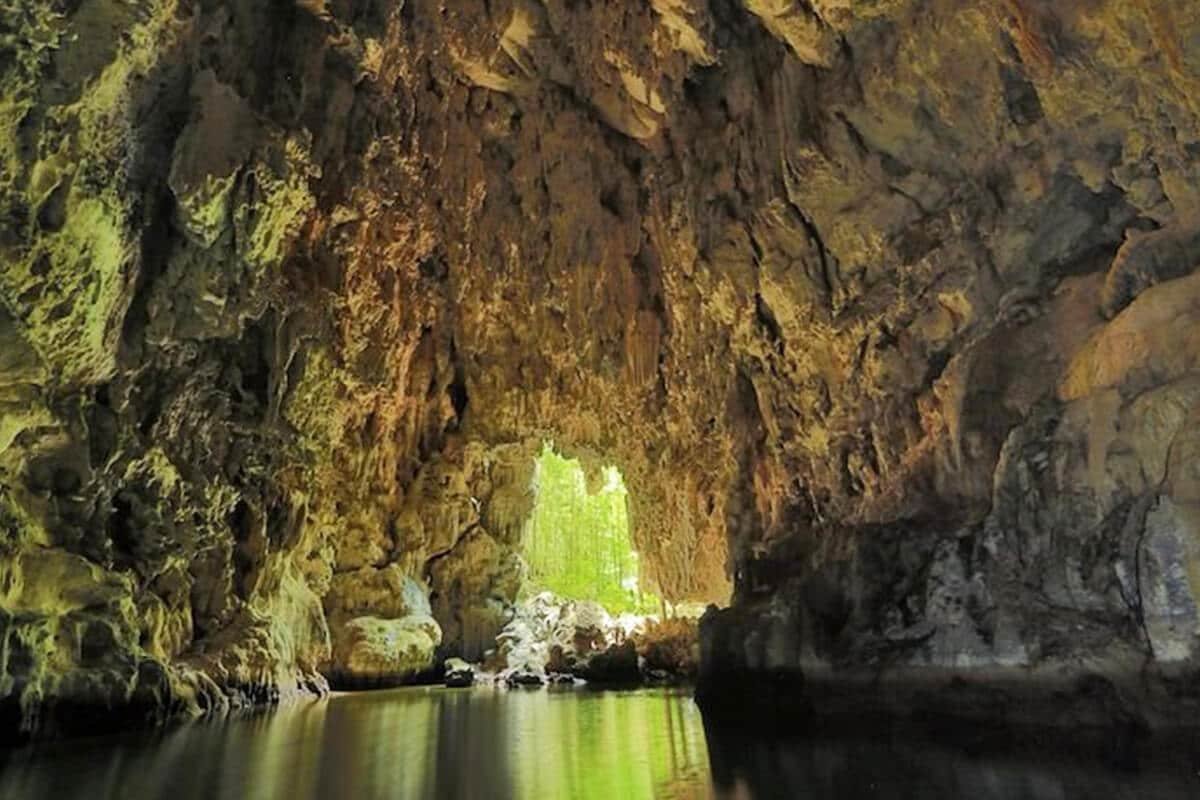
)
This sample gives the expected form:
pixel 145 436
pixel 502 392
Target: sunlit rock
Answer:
pixel 796 23
pixel 370 651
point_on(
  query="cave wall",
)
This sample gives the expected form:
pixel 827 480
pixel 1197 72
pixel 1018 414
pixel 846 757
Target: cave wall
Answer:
pixel 883 309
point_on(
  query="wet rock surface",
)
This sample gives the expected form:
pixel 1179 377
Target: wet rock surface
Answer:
pixel 887 313
pixel 458 673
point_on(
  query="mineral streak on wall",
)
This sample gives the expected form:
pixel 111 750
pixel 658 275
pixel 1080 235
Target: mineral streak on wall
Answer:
pixel 885 311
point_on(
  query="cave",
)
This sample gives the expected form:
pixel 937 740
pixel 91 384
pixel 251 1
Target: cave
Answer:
pixel 870 326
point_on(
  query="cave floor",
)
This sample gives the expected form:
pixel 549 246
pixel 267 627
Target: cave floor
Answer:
pixel 490 743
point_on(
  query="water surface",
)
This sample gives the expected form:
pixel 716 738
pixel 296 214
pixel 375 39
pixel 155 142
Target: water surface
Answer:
pixel 484 743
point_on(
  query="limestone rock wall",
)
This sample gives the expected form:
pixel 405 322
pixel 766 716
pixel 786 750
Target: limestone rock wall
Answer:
pixel 996 491
pixel 883 309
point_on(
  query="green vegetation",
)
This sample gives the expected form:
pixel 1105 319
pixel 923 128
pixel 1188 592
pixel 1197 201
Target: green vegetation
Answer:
pixel 577 544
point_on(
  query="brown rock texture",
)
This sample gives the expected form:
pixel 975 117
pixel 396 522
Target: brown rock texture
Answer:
pixel 884 309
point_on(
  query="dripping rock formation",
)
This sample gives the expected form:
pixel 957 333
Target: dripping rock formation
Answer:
pixel 886 310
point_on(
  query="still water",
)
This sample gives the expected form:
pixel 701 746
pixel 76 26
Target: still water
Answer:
pixel 483 743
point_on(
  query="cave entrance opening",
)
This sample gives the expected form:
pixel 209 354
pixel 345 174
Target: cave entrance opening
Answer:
pixel 577 541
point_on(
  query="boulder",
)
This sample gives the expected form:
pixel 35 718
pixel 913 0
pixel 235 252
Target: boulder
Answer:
pixel 459 673
pixel 617 665
pixel 370 651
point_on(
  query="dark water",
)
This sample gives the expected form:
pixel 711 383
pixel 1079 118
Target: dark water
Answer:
pixel 433 743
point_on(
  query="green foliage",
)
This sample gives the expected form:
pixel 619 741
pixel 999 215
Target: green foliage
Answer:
pixel 577 544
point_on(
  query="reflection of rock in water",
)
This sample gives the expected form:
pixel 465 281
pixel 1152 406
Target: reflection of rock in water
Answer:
pixel 895 763
pixel 370 747
pixel 574 745
pixel 472 759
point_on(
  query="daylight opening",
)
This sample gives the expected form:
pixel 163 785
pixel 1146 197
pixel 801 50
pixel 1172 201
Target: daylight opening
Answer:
pixel 577 544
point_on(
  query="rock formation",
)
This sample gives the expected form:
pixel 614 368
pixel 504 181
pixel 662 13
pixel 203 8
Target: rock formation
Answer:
pixel 458 673
pixel 553 639
pixel 884 309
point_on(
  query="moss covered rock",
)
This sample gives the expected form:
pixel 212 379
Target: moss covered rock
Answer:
pixel 370 651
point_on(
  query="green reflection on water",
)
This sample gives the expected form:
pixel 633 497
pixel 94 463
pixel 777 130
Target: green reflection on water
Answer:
pixel 409 743
pixel 608 746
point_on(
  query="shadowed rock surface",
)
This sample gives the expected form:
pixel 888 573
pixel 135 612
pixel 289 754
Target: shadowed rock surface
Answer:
pixel 886 311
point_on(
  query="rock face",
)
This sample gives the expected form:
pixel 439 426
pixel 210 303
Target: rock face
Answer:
pixel 383 631
pixel 886 311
